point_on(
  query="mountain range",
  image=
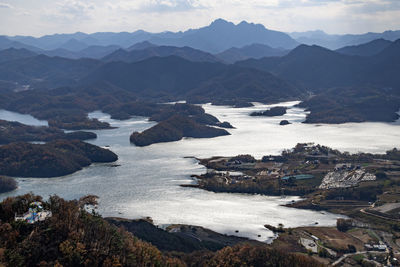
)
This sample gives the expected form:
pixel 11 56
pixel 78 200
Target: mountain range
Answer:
pixel 314 67
pixel 226 41
pixel 160 69
pixel 336 41
pixel 215 38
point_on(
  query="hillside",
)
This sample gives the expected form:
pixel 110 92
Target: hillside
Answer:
pixel 368 49
pixel 315 67
pixel 312 67
pixel 182 238
pixel 178 78
pixel 52 159
pixel 70 237
pixel 6 43
pixel 46 72
pixel 135 55
pixel 15 54
pixel 74 237
pixel 240 85
pixel 256 51
pixel 156 76
pixel 340 105
pixel 94 52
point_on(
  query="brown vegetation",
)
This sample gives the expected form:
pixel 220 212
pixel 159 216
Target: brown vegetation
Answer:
pixel 74 237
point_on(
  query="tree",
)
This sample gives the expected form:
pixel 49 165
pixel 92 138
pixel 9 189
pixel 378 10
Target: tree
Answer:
pixel 343 225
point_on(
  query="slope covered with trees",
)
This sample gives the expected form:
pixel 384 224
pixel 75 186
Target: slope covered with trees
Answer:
pixel 368 49
pixel 315 67
pixel 74 237
pixel 71 237
pixel 176 78
pixel 135 55
pixel 340 105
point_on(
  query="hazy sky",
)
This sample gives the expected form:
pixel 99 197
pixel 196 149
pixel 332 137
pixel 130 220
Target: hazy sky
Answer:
pixel 39 17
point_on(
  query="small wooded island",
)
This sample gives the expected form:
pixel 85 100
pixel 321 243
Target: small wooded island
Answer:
pixel 174 129
pixel 273 112
pixel 56 158
pixel 284 122
pixel 178 121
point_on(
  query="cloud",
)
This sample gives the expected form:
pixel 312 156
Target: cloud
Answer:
pixel 77 9
pixel 5 5
pixel 374 6
pixel 68 11
pixel 170 5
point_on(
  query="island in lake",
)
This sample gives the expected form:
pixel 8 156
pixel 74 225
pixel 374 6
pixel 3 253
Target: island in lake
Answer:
pixel 273 112
pixel 174 129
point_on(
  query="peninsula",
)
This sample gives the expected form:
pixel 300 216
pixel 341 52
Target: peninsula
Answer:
pixel 53 159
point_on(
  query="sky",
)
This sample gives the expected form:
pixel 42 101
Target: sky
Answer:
pixel 40 17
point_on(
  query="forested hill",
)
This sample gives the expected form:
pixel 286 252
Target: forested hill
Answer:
pixel 181 79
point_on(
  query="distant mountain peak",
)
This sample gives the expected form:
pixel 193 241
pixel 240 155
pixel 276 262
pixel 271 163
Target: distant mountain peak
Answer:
pixel 221 23
pixel 243 22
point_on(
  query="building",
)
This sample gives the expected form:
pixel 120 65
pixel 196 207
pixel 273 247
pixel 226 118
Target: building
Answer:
pixel 36 213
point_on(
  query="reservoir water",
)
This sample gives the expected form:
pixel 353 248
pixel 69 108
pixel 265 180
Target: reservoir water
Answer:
pixel 147 181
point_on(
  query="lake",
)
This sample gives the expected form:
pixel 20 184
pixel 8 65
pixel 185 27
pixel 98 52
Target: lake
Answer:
pixel 147 182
